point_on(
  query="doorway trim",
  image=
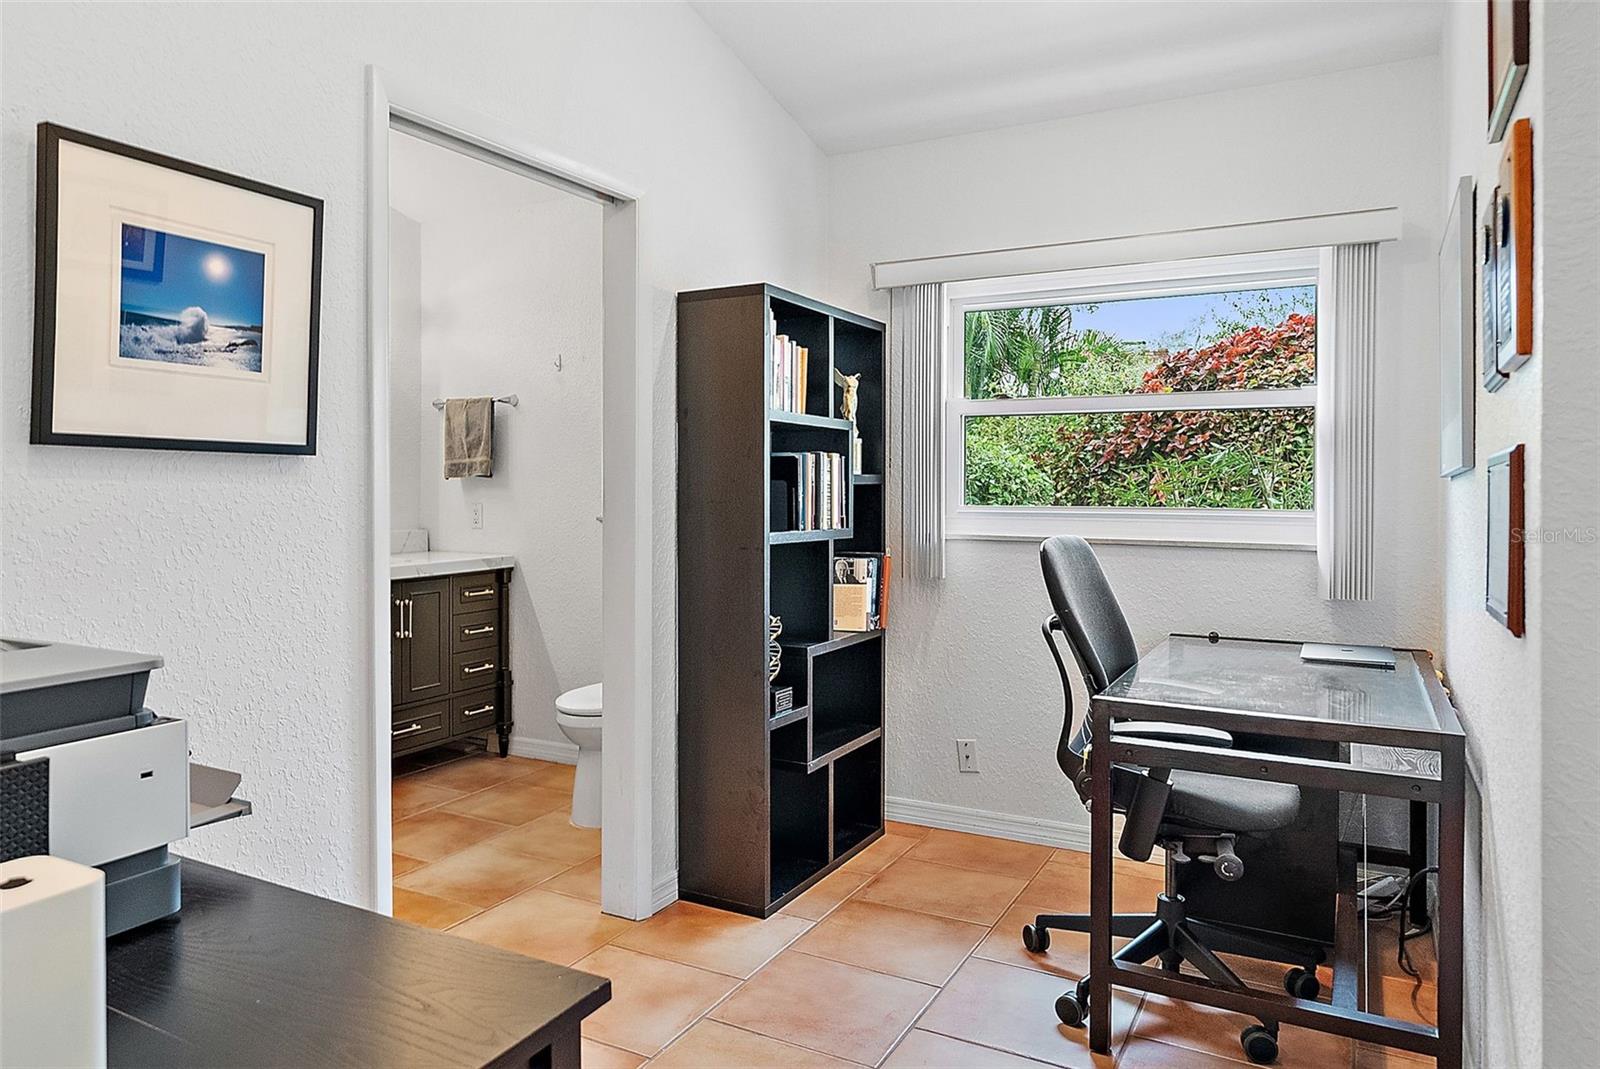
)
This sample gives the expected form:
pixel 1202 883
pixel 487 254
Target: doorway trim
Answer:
pixel 626 538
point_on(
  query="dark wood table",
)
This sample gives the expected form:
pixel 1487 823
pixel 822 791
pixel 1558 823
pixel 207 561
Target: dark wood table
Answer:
pixel 250 973
pixel 1403 740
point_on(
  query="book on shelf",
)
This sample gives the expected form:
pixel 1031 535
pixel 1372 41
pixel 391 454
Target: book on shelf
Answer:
pixel 791 364
pixel 808 491
pixel 861 591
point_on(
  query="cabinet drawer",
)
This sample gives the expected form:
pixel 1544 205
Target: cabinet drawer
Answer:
pixel 477 711
pixel 475 631
pixel 422 726
pixel 476 592
pixel 476 668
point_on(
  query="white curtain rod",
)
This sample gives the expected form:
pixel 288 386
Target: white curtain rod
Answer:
pixel 1273 235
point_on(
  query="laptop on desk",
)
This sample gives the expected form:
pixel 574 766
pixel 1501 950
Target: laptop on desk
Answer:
pixel 1359 656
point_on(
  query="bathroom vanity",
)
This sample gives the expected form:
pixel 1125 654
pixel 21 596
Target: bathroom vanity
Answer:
pixel 450 676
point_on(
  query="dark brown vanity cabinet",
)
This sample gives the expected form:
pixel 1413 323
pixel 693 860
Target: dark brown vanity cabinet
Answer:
pixel 449 677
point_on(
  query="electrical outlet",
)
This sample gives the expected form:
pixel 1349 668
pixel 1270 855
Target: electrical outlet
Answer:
pixel 966 755
pixel 477 516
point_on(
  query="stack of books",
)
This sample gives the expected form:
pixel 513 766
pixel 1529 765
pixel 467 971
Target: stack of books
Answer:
pixel 861 592
pixel 790 363
pixel 810 492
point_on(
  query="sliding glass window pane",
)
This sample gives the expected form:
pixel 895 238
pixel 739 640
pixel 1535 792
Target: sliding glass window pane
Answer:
pixel 1248 458
pixel 1235 340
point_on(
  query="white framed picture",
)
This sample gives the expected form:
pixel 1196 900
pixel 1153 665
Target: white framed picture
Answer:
pixel 1458 318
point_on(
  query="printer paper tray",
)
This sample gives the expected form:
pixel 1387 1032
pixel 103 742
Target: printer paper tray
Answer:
pixel 201 815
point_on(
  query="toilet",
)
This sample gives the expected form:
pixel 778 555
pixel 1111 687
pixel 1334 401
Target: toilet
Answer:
pixel 578 717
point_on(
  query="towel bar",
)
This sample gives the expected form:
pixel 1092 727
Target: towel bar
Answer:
pixel 508 399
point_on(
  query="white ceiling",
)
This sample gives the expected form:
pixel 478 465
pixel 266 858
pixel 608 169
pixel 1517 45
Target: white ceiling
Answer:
pixel 866 74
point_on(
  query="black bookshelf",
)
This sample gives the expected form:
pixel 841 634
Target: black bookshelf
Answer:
pixel 769 804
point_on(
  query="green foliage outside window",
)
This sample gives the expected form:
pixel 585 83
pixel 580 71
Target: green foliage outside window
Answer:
pixel 1213 458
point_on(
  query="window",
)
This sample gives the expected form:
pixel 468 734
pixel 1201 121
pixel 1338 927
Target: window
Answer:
pixel 1163 402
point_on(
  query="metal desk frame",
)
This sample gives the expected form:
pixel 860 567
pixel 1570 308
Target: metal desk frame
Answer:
pixel 1340 1016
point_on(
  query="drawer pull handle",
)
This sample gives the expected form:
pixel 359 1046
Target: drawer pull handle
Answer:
pixel 400 618
pixel 479 712
pixel 412 730
pixel 481 592
pixel 475 669
pixel 486 629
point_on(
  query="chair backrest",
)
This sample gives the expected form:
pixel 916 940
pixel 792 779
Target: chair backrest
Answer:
pixel 1086 611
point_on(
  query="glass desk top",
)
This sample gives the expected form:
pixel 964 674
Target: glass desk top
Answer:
pixel 1270 679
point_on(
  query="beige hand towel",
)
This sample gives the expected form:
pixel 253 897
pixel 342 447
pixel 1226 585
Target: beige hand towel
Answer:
pixel 468 437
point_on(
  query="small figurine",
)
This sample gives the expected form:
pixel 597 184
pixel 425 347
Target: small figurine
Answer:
pixel 849 384
pixel 848 404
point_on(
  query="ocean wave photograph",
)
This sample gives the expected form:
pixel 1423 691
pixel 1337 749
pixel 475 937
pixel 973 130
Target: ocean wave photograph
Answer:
pixel 189 301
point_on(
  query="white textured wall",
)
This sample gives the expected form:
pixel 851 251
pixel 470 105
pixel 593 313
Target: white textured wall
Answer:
pixel 965 656
pixel 1529 703
pixel 250 573
pixel 1569 471
pixel 1495 676
pixel 510 279
pixel 405 371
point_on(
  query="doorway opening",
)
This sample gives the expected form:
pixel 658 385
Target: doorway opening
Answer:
pixel 510 653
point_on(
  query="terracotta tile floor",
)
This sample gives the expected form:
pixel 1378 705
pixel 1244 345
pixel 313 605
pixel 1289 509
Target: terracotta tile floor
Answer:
pixel 907 957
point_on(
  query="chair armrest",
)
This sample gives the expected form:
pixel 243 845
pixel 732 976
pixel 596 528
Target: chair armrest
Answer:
pixel 1192 734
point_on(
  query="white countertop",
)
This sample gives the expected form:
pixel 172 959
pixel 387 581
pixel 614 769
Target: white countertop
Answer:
pixel 445 562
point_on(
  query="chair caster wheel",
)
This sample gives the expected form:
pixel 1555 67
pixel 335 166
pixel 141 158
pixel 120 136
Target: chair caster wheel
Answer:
pixel 1260 1045
pixel 1072 1010
pixel 1301 983
pixel 1035 940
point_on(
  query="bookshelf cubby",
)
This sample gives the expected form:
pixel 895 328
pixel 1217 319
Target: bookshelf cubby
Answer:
pixel 769 804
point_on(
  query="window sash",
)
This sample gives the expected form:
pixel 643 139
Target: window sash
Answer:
pixel 1256 527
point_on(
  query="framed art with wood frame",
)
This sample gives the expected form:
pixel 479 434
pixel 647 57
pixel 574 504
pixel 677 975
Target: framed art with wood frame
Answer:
pixel 175 306
pixel 1508 60
pixel 1513 258
pixel 1503 581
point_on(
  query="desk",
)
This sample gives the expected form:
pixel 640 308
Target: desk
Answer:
pixel 251 973
pixel 1404 742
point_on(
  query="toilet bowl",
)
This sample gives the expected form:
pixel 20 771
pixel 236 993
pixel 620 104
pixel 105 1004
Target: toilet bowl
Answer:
pixel 578 717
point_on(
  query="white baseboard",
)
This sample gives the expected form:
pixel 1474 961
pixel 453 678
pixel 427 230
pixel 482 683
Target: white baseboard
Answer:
pixel 664 893
pixel 563 752
pixel 1000 825
pixel 984 822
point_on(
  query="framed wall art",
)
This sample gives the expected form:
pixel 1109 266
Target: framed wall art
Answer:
pixel 1489 372
pixel 175 306
pixel 1458 322
pixel 1508 60
pixel 1503 579
pixel 1513 264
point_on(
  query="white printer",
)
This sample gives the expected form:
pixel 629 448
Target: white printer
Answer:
pixel 87 773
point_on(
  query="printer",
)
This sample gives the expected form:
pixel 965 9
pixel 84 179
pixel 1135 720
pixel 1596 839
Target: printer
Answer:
pixel 89 774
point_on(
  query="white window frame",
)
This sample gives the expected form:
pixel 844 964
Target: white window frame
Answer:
pixel 1265 528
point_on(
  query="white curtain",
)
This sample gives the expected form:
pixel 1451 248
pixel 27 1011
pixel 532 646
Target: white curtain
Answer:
pixel 1345 432
pixel 916 320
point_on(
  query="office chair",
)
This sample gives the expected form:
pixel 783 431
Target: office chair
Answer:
pixel 1192 816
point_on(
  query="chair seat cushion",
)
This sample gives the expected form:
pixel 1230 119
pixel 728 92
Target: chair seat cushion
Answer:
pixel 1229 804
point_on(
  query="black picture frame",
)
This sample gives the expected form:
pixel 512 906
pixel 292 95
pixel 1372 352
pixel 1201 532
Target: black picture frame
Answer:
pixel 41 427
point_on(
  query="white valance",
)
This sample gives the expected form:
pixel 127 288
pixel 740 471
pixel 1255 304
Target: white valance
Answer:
pixel 1271 235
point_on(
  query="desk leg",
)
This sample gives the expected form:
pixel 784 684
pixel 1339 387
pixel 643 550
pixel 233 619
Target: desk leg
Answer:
pixel 1100 876
pixel 1447 920
pixel 1417 908
pixel 566 1051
